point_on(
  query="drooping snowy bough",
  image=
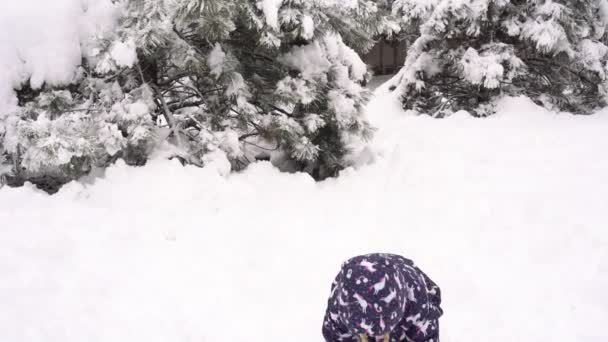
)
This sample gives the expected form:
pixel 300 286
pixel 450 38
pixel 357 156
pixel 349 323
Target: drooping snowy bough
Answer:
pixel 232 79
pixel 467 52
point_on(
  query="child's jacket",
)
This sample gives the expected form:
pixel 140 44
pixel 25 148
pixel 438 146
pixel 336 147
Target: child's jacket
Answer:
pixel 376 294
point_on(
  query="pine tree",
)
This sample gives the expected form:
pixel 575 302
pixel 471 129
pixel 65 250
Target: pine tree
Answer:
pixel 270 74
pixel 251 79
pixel 467 52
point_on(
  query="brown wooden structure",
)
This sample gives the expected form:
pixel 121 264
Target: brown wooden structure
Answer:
pixel 387 57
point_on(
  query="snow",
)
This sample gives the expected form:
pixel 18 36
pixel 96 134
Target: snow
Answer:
pixel 215 61
pixel 295 88
pixel 271 11
pixel 603 13
pixel 124 53
pixel 309 59
pixel 343 106
pixel 136 110
pixel 591 54
pixel 337 50
pixel 485 70
pixel 507 214
pixel 308 27
pixel 548 36
pixel 316 59
pixel 45 48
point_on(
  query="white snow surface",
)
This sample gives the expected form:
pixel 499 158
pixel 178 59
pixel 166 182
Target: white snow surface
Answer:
pixel 216 60
pixel 308 27
pixel 44 41
pixel 310 60
pixel 271 11
pixel 507 214
pixel 124 53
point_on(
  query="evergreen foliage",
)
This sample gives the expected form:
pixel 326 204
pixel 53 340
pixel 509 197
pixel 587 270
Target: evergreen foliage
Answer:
pixel 271 79
pixel 467 52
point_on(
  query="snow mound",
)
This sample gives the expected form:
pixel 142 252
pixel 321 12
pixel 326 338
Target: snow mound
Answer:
pixel 44 41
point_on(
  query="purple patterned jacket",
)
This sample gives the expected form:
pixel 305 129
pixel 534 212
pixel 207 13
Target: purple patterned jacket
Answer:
pixel 376 294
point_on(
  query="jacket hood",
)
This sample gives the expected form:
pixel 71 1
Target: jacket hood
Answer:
pixel 371 298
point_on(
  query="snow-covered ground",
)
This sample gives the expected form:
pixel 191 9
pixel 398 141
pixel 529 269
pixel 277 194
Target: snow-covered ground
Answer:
pixel 507 214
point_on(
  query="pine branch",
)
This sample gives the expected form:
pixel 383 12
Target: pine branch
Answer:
pixel 248 135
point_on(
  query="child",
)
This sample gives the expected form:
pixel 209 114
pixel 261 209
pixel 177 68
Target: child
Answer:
pixel 382 297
